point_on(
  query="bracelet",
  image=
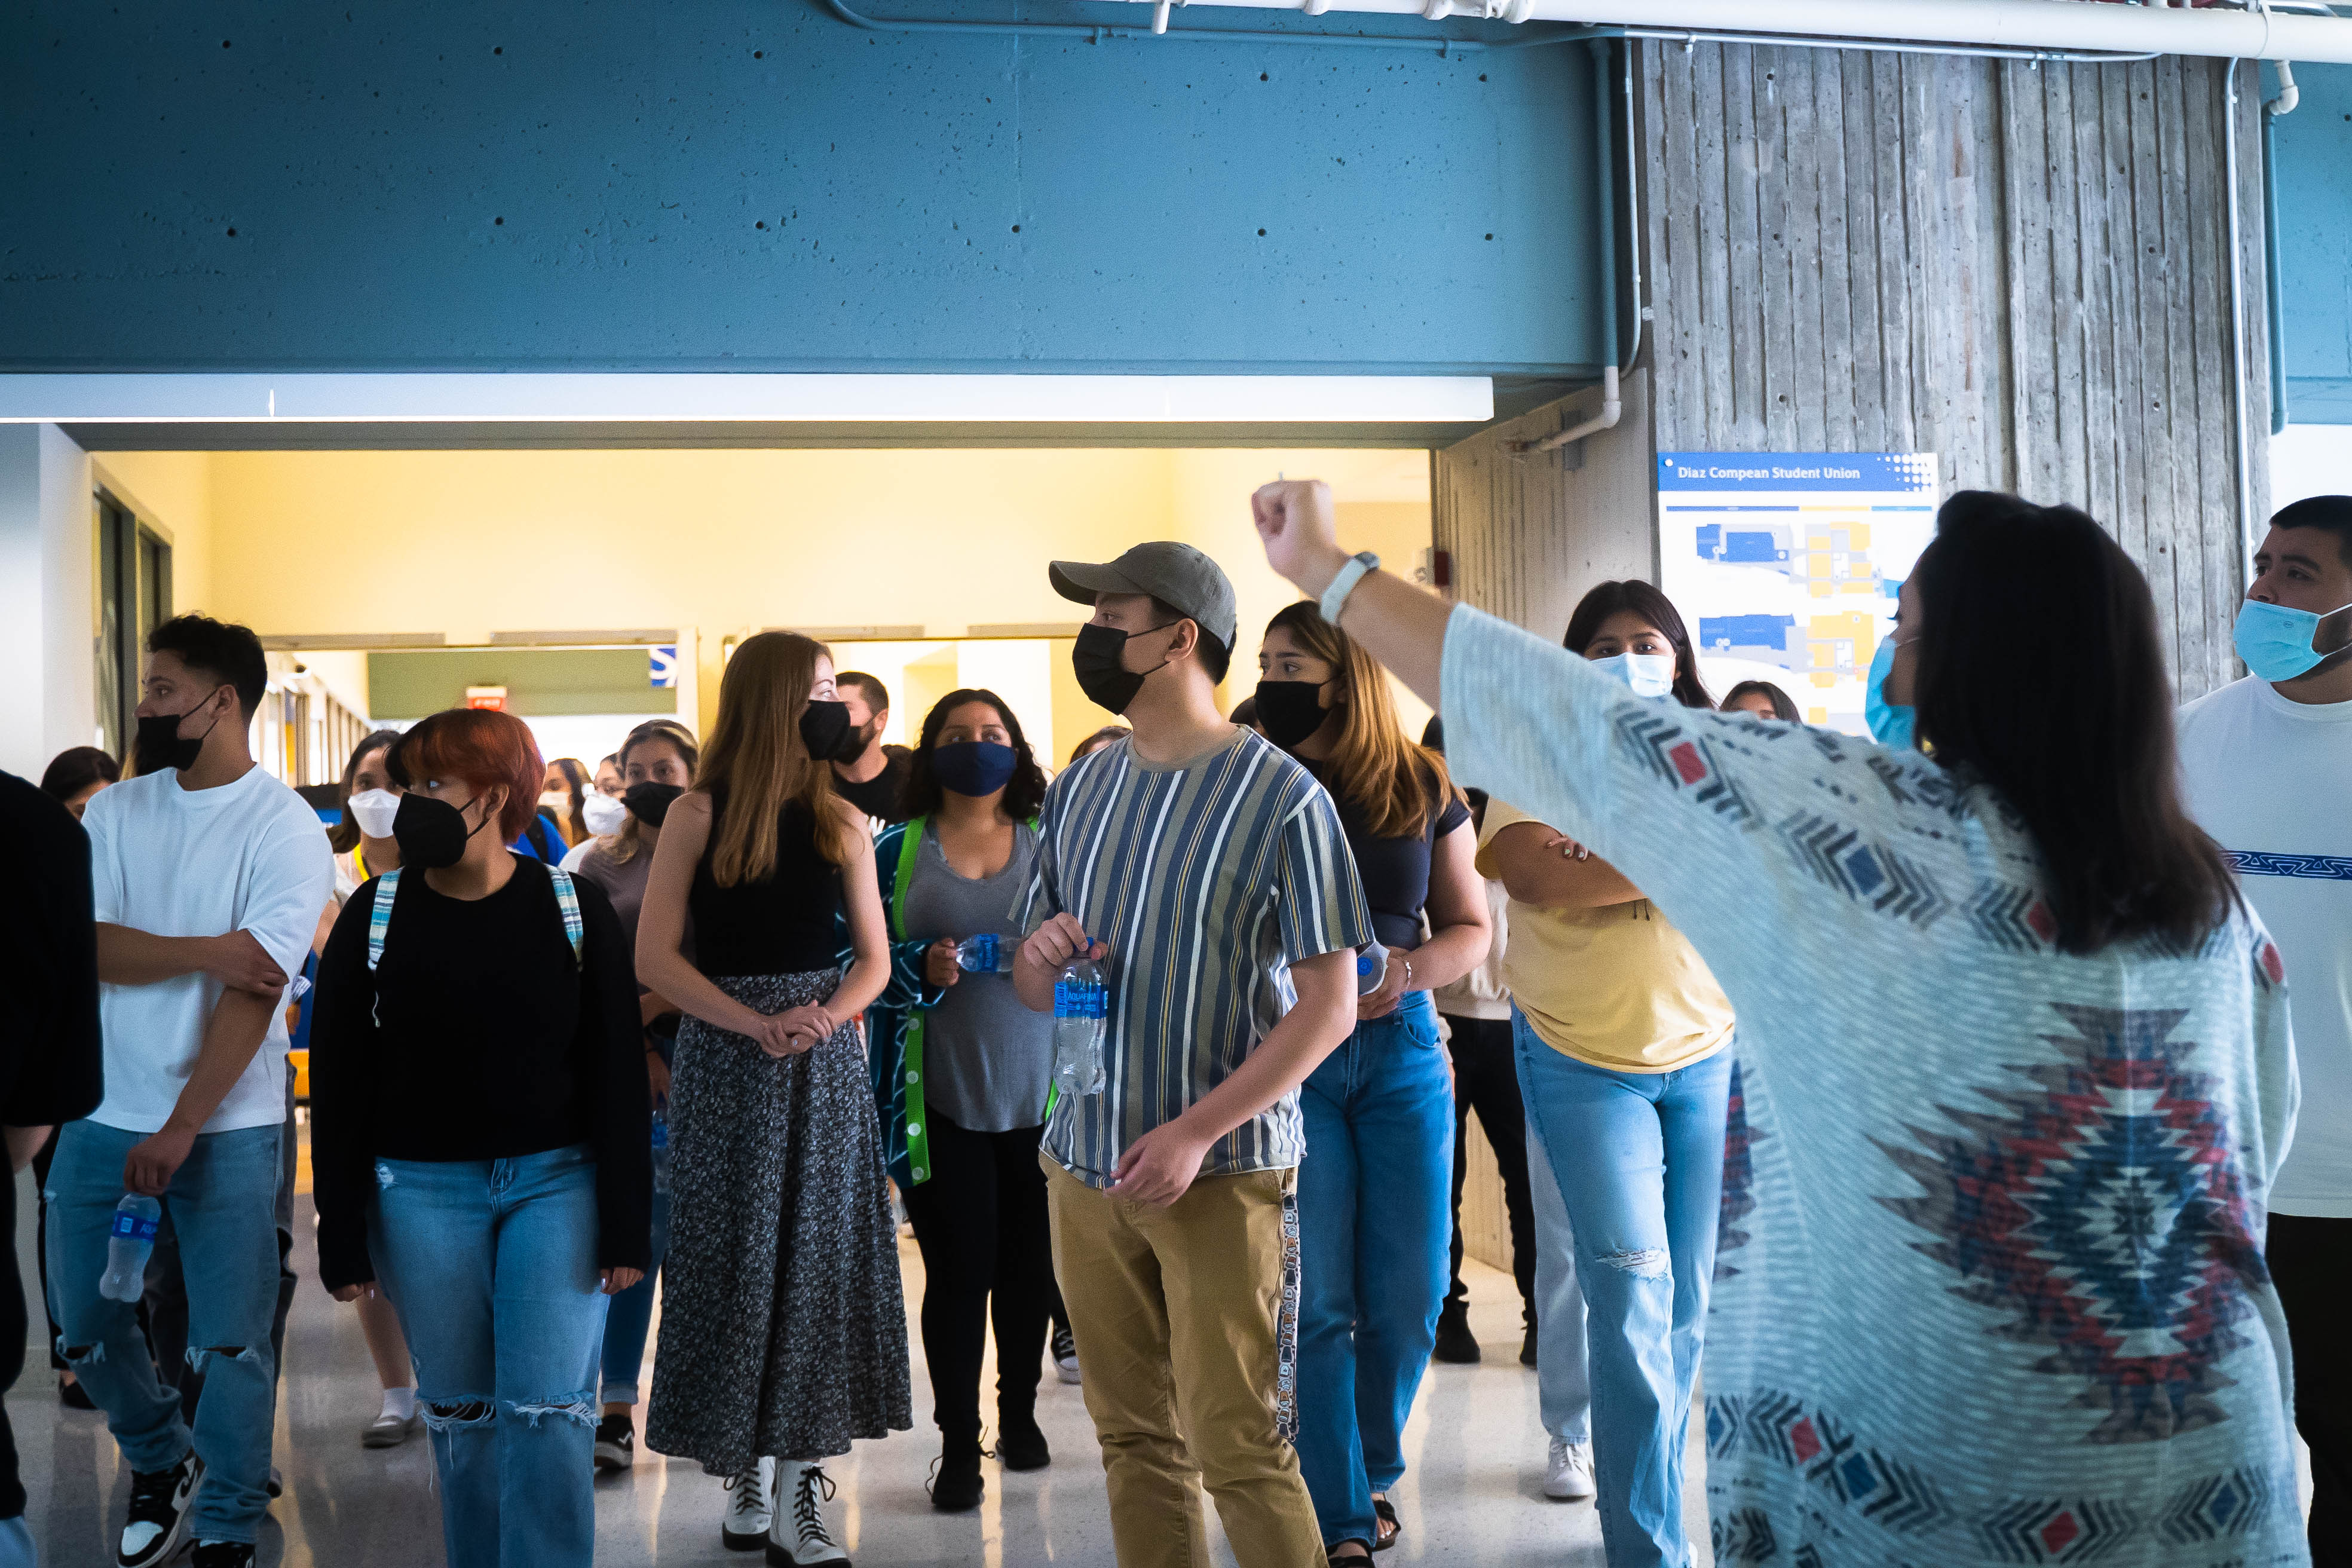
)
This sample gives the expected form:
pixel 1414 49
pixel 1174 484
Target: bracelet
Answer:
pixel 1335 596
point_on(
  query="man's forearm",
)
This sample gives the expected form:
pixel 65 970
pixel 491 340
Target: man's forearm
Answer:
pixel 1291 1050
pixel 240 1022
pixel 129 956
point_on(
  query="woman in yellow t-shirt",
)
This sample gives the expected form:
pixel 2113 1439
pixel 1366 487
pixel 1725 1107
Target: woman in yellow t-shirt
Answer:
pixel 1622 1039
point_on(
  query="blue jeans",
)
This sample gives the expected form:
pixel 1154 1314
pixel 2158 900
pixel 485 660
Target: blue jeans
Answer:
pixel 1639 1159
pixel 1563 1384
pixel 492 1264
pixel 1375 1220
pixel 223 1202
pixel 632 1317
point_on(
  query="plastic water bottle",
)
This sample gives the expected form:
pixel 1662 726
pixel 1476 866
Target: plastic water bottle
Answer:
pixel 987 953
pixel 661 1151
pixel 1081 1018
pixel 136 1220
pixel 1372 968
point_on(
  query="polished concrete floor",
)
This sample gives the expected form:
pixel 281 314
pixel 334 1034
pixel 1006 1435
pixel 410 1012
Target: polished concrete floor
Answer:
pixel 1472 1494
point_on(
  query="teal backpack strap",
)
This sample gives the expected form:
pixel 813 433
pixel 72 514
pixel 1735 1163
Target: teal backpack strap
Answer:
pixel 910 1066
pixel 387 887
pixel 567 898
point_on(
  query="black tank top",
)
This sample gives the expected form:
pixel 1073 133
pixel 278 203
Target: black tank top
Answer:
pixel 782 924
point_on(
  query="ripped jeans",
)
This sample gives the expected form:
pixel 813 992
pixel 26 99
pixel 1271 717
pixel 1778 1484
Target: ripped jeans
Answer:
pixel 222 1203
pixel 1639 1158
pixel 492 1264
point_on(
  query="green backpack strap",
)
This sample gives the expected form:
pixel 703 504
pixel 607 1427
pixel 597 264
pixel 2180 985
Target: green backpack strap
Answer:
pixel 910 1062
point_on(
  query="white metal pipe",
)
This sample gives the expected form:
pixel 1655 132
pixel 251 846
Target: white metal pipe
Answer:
pixel 2244 453
pixel 2032 24
pixel 1612 407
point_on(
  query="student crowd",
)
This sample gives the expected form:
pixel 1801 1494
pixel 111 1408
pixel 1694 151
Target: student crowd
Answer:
pixel 1943 1087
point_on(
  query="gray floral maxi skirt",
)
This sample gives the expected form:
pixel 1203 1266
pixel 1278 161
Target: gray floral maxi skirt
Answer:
pixel 783 1331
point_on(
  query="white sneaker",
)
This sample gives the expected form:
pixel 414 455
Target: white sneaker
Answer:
pixel 751 1508
pixel 800 1535
pixel 1568 1474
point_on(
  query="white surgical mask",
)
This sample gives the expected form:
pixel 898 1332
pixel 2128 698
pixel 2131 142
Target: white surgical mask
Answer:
pixel 558 800
pixel 373 810
pixel 1647 674
pixel 604 815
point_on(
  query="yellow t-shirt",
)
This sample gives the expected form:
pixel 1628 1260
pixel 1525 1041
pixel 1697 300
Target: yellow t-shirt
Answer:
pixel 1617 987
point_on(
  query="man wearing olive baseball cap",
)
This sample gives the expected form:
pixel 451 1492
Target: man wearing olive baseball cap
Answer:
pixel 1207 872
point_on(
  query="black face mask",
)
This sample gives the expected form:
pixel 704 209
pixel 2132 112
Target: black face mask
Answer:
pixel 1291 711
pixel 649 802
pixel 829 734
pixel 159 744
pixel 1098 661
pixel 432 834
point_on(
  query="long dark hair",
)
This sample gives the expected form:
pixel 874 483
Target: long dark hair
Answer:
pixel 345 836
pixel 2041 671
pixel 76 768
pixel 920 796
pixel 1653 606
pixel 1374 765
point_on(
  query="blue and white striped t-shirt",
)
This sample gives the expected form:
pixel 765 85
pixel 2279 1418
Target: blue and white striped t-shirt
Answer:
pixel 1207 881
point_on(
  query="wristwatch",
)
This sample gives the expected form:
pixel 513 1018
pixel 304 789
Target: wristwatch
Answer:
pixel 1342 585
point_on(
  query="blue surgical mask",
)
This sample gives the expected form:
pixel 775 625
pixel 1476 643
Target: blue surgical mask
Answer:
pixel 974 767
pixel 2276 641
pixel 1891 723
pixel 1647 674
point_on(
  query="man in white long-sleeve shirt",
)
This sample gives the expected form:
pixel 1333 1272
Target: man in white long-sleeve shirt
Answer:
pixel 2267 762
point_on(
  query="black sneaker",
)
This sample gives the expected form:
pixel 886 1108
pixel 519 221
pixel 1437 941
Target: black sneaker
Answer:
pixel 223 1555
pixel 1528 1349
pixel 1455 1342
pixel 616 1443
pixel 73 1395
pixel 1066 1356
pixel 157 1520
pixel 955 1480
pixel 1020 1444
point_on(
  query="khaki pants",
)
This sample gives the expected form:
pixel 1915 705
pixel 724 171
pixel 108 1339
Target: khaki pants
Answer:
pixel 1174 1311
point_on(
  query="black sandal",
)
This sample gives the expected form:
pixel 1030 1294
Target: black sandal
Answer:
pixel 1359 1554
pixel 1386 1532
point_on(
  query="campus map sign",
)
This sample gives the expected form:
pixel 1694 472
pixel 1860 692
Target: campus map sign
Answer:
pixel 1787 564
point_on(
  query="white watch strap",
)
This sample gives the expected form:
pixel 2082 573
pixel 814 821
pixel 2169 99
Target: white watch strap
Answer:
pixel 1336 595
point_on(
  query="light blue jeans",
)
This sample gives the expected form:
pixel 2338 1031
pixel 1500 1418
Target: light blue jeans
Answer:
pixel 492 1264
pixel 1563 1384
pixel 632 1318
pixel 1639 1160
pixel 1375 1220
pixel 222 1203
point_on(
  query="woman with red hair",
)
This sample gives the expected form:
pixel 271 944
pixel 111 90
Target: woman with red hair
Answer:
pixel 479 1135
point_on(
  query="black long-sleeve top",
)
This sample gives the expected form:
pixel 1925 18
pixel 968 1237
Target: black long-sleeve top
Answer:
pixel 51 1069
pixel 492 1043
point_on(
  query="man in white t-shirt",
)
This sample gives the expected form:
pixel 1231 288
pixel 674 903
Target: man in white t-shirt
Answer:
pixel 208 877
pixel 2267 762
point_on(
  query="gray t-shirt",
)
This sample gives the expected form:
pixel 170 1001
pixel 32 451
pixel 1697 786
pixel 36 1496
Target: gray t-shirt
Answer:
pixel 988 1058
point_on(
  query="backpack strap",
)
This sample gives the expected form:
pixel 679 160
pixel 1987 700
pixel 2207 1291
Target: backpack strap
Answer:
pixel 567 898
pixel 910 1066
pixel 387 888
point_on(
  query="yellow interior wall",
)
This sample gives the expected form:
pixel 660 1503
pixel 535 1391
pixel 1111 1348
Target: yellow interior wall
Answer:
pixel 467 543
pixel 172 492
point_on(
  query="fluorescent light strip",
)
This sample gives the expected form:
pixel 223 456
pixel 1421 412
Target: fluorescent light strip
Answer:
pixel 596 398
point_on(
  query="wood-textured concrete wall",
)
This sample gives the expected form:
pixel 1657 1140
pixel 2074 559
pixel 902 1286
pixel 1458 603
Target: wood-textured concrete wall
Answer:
pixel 1528 533
pixel 2022 268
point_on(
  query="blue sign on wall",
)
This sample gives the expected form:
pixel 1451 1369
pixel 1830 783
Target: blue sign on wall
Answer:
pixel 1765 471
pixel 2312 182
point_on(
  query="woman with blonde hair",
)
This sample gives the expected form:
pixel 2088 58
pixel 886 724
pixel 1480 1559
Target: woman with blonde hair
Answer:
pixel 784 1334
pixel 654 766
pixel 1375 1191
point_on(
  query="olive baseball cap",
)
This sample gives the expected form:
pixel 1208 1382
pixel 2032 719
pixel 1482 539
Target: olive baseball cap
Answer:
pixel 1173 573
